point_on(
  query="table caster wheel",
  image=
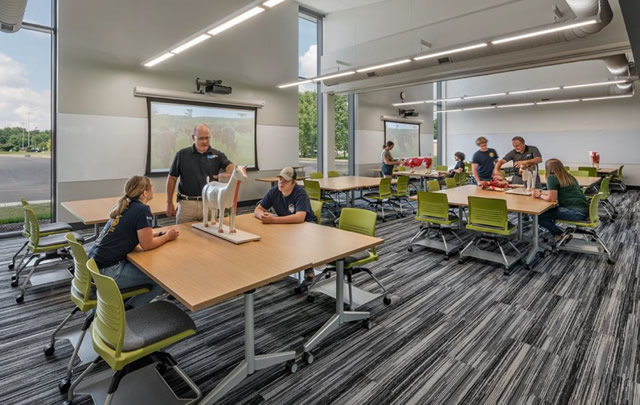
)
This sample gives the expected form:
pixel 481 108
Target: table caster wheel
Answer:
pixel 410 249
pixel 367 324
pixel 19 298
pixel 307 357
pixel 49 350
pixel 310 298
pixel 291 366
pixel 386 300
pixel 11 266
pixel 63 385
pixel 611 261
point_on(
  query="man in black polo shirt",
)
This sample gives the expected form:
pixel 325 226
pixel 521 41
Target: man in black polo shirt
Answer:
pixel 523 156
pixel 192 165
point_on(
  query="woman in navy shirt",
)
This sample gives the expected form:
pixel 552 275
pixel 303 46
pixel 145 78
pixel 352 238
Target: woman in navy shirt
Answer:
pixel 128 226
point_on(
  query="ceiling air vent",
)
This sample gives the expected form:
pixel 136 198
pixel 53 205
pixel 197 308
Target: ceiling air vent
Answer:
pixel 444 60
pixel 371 74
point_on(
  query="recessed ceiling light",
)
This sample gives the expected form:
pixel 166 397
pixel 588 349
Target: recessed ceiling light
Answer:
pixel 398 62
pixel 159 59
pixel 333 76
pixel 456 50
pixel 534 90
pixel 272 3
pixel 543 32
pixel 191 43
pixel 236 20
pixel 282 86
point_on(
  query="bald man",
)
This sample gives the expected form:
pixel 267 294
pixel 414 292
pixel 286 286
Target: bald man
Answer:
pixel 192 165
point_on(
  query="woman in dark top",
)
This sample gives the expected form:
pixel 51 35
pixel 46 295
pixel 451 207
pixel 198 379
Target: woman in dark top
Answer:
pixel 130 225
pixel 388 162
pixel 563 188
pixel 459 167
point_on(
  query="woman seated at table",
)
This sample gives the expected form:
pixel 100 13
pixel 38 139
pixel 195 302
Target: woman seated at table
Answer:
pixel 459 167
pixel 128 226
pixel 563 188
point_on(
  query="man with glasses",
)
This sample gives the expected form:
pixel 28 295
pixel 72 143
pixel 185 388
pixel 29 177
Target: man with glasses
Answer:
pixel 524 157
pixel 483 161
pixel 192 165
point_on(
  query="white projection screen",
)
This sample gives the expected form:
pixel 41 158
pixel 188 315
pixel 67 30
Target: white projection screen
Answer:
pixel 405 136
pixel 233 131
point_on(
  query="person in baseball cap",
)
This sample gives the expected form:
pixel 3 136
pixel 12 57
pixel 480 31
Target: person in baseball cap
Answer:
pixel 289 201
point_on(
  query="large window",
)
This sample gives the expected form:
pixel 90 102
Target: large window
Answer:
pixel 341 146
pixel 25 116
pixel 308 94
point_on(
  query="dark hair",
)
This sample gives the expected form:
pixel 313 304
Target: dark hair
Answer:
pixel 517 138
pixel 459 155
pixel 388 144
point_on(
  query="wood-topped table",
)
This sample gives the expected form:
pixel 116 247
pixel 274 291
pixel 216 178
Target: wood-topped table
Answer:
pixel 347 184
pixel 602 171
pixel 201 270
pixel 96 211
pixel 585 182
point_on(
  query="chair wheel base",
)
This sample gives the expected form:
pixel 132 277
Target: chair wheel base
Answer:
pixel 310 298
pixel 461 261
pixel 410 249
pixel 49 350
pixel 11 266
pixel 297 290
pixel 367 324
pixel 307 357
pixel 14 283
pixel 611 261
pixel 446 257
pixel 386 300
pixel 20 298
pixel 291 366
pixel 527 266
pixel 64 385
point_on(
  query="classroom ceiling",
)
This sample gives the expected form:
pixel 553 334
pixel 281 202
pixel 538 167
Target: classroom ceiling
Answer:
pixel 332 6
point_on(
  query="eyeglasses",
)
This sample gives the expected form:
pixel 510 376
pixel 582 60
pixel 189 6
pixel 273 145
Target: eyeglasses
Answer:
pixel 202 138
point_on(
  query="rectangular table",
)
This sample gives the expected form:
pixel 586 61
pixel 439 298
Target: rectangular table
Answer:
pixel 585 182
pixel 347 184
pixel 519 204
pixel 201 270
pixel 274 180
pixel 96 211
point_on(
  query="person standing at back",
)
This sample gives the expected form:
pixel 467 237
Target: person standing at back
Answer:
pixel 388 162
pixel 524 157
pixel 483 161
pixel 192 165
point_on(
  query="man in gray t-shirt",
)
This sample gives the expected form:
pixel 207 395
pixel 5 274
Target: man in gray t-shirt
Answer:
pixel 523 156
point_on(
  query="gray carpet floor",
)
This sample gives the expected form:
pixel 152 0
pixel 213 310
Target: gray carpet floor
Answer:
pixel 565 332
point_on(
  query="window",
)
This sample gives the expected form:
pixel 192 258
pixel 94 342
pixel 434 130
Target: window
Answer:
pixel 342 134
pixel 25 116
pixel 308 94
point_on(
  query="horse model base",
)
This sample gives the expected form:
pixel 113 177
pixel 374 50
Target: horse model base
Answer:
pixel 238 237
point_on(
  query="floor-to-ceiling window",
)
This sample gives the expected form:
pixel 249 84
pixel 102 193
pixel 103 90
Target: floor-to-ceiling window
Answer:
pixel 342 134
pixel 309 27
pixel 26 115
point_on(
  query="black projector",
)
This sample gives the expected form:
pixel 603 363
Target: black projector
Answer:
pixel 212 86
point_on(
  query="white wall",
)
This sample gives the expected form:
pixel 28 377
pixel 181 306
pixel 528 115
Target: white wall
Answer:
pixel 564 131
pixel 102 128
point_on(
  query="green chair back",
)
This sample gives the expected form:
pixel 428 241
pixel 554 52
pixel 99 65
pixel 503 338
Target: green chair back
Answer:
pixel 332 173
pixel 432 207
pixel 32 226
pixel 579 173
pixel 433 185
pixel 450 182
pixel 315 175
pixel 488 215
pixel 461 178
pixel 442 168
pixel 619 173
pixel 503 173
pixel 400 169
pixel 592 171
pixel 467 167
pixel 25 229
pixel 385 188
pixel 542 172
pixel 605 191
pixel 312 187
pixel 81 283
pixel 594 216
pixel 316 207
pixel 402 186
pixel 109 322
pixel 359 221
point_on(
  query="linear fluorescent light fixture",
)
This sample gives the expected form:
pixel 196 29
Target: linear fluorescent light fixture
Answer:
pixel 484 96
pixel 534 90
pixel 272 3
pixel 515 105
pixel 544 32
pixel 333 76
pixel 159 59
pixel 448 111
pixel 480 108
pixel 607 97
pixel 283 86
pixel 189 44
pixel 444 99
pixel 409 103
pixel 573 100
pixel 236 20
pixel 607 83
pixel 456 50
pixel 384 65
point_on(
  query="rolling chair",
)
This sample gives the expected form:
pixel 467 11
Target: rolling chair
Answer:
pixel 433 210
pixel 382 197
pixel 132 340
pixel 450 182
pixel 84 297
pixel 433 185
pixel 617 182
pixel 579 173
pixel 312 187
pixel 315 175
pixel 401 195
pixel 362 222
pixel 591 171
pixel 442 168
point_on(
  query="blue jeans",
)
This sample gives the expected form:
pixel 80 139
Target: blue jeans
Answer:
pixel 548 219
pixel 126 275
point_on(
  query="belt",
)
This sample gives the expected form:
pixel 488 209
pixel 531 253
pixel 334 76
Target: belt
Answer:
pixel 189 198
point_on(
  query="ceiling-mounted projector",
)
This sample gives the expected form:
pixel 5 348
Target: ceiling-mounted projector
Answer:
pixel 407 113
pixel 211 86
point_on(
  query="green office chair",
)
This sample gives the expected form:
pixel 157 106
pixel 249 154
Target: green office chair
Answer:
pixel 316 207
pixel 400 169
pixel 584 238
pixel 461 178
pixel 579 173
pixel 362 222
pixel 591 171
pixel 617 181
pixel 450 182
pixel 84 297
pixel 605 192
pixel 129 341
pixel 442 168
pixel 382 197
pixel 333 173
pixel 433 212
pixel 433 185
pixel 401 195
pixel 41 248
pixel 467 167
pixel 312 187
pixel 488 217
pixel 542 172
pixel 45 230
pixel 315 175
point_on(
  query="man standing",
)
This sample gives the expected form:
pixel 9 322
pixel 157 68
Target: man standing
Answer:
pixel 524 156
pixel 192 165
pixel 483 161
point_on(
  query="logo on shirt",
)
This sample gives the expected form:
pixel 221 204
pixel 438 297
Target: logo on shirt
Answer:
pixel 211 156
pixel 292 208
pixel 491 154
pixel 114 222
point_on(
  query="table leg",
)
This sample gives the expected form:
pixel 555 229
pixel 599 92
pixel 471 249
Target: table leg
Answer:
pixel 535 243
pixel 460 210
pixel 251 362
pixel 96 231
pixel 340 317
pixel 520 226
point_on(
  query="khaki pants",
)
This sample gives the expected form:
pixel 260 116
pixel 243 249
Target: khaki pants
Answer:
pixel 188 211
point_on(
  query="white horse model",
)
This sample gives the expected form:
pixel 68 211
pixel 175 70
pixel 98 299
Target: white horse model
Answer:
pixel 529 177
pixel 219 196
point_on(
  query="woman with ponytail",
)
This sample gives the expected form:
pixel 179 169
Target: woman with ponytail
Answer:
pixel 130 225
